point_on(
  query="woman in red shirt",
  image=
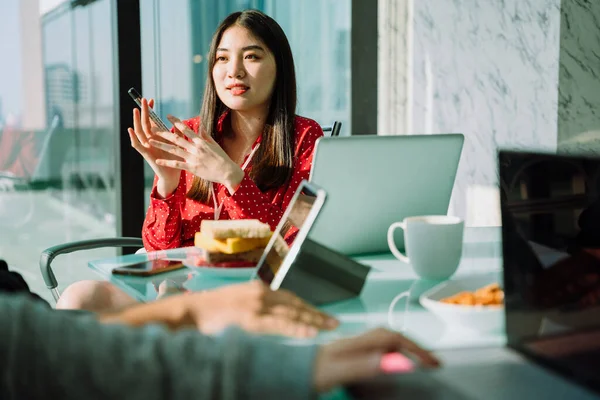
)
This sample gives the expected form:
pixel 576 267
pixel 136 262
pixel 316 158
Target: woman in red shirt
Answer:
pixel 246 154
pixel 243 157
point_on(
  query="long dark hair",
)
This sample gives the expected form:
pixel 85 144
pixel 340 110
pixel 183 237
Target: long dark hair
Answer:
pixel 272 164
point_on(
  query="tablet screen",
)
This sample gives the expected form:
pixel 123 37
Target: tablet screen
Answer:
pixel 294 219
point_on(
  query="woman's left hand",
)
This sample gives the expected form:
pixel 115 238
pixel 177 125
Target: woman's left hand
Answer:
pixel 201 154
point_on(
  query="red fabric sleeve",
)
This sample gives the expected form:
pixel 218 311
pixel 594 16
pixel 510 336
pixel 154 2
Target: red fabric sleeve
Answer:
pixel 162 225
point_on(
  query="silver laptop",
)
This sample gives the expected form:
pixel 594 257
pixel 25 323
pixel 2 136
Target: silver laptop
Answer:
pixel 372 181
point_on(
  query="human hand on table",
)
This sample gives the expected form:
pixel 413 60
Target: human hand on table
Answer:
pixel 256 308
pixel 251 306
pixel 355 359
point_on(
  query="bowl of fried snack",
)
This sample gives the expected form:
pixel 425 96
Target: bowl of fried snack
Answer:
pixel 474 303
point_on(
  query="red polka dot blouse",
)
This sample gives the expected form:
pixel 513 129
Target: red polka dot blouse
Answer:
pixel 173 221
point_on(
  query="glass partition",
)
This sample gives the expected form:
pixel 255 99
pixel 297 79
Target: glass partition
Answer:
pixel 57 134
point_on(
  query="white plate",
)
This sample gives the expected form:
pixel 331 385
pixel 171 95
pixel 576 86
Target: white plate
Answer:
pixel 473 318
pixel 229 273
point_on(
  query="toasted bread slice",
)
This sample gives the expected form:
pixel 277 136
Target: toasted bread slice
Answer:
pixel 230 245
pixel 237 228
pixel 251 256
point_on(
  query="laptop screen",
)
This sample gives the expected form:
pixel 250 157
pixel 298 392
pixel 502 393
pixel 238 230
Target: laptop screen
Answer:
pixel 298 217
pixel 551 249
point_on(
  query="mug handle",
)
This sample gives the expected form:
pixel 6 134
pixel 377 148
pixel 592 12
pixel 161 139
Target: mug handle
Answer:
pixel 399 297
pixel 390 238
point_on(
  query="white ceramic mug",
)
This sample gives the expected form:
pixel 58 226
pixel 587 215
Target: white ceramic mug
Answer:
pixel 433 244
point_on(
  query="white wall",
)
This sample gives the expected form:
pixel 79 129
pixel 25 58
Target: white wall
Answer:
pixel 484 68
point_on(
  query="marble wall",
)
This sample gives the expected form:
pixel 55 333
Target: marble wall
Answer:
pixel 579 77
pixel 485 68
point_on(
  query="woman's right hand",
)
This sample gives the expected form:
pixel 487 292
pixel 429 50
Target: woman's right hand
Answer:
pixel 252 306
pixel 256 308
pixel 144 130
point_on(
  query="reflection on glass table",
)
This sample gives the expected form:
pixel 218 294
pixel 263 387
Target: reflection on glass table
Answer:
pixel 387 280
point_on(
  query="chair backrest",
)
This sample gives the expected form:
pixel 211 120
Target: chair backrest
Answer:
pixel 334 129
pixel 41 170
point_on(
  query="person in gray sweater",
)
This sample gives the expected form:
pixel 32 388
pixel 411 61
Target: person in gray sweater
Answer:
pixel 154 351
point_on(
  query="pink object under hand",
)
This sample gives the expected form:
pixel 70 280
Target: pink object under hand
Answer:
pixel 396 363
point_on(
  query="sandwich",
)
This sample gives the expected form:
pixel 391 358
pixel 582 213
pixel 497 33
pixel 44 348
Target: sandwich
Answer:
pixel 232 243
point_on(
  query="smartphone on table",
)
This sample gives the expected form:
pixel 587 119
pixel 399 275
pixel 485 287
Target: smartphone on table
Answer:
pixel 134 94
pixel 148 268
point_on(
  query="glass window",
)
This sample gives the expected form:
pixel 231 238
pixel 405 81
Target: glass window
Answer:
pixel 319 34
pixel 174 60
pixel 57 134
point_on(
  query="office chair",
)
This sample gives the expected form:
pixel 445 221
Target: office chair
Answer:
pixel 334 129
pixel 40 178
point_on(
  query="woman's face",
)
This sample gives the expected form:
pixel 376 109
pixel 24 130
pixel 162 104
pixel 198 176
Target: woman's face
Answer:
pixel 244 72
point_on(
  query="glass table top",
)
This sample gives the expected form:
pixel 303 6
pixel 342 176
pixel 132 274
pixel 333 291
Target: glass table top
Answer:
pixel 387 279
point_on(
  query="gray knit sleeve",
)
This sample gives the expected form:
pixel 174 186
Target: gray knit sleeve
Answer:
pixel 47 354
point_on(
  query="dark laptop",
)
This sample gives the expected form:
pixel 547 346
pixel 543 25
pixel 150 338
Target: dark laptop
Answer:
pixel 551 250
pixel 551 246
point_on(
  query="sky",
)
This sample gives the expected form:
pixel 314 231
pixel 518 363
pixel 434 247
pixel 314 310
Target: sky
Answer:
pixel 10 54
